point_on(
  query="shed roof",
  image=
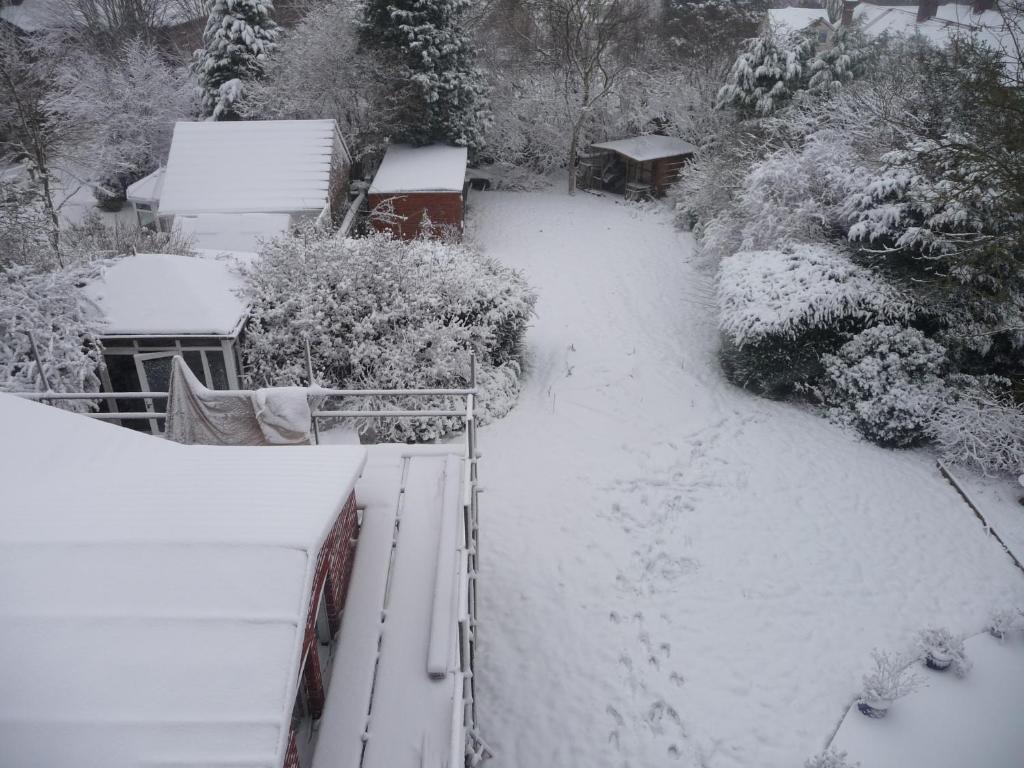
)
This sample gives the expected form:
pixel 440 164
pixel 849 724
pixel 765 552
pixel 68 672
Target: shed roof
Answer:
pixel 160 294
pixel 153 600
pixel 644 148
pixel 265 166
pixel 797 18
pixel 437 168
pixel 149 188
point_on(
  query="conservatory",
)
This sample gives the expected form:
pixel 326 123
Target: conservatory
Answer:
pixel 155 306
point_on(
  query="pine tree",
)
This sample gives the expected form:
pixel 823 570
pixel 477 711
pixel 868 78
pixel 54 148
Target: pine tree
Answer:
pixel 432 48
pixel 239 36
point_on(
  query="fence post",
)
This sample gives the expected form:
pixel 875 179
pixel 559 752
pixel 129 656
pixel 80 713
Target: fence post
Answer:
pixel 39 361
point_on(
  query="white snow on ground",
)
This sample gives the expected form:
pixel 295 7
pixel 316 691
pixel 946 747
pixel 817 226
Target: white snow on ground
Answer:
pixel 1001 501
pixel 671 568
pixel 949 722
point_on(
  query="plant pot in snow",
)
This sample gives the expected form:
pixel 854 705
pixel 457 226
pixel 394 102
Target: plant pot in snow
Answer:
pixel 874 707
pixel 938 660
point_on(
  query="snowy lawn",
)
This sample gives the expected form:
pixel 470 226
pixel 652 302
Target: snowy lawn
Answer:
pixel 671 568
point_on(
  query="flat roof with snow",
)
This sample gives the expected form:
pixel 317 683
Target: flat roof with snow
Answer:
pixel 646 148
pixel 263 166
pixel 160 294
pixel 436 168
pixel 158 619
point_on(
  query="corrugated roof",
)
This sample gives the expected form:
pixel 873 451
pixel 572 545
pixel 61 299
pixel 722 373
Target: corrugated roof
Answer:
pixel 644 148
pixel 267 166
pixel 436 168
pixel 153 601
pixel 159 294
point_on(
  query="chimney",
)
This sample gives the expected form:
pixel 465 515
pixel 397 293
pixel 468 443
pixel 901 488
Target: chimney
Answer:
pixel 926 9
pixel 980 6
pixel 848 7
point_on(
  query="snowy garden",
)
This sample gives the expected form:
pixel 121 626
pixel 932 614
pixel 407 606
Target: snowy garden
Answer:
pixel 752 452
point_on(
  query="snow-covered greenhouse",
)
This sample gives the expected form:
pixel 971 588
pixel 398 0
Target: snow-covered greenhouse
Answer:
pixel 155 306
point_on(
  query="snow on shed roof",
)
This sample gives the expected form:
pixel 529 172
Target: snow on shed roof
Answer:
pixel 644 148
pixel 264 166
pixel 149 188
pixel 153 596
pixel 437 168
pixel 797 18
pixel 159 294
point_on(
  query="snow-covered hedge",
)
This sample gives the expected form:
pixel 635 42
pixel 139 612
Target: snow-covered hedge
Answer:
pixel 887 383
pixel 48 305
pixel 784 293
pixel 982 428
pixel 383 313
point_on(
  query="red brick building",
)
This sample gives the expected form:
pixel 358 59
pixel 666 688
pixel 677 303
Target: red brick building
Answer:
pixel 419 191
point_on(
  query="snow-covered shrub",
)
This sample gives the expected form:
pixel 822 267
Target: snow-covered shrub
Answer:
pixel 383 313
pixel 780 310
pixel 47 305
pixel 889 679
pixel 887 383
pixel 1005 620
pixel 830 758
pixel 768 72
pixel 941 649
pixel 980 426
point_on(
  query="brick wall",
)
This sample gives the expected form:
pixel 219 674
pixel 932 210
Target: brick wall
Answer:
pixel 333 573
pixel 445 209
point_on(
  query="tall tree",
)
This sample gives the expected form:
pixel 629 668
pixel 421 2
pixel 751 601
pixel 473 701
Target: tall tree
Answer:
pixel 239 36
pixel 432 49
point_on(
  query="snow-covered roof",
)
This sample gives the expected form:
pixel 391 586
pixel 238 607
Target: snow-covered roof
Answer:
pixel 154 595
pixel 159 294
pixel 797 18
pixel 949 20
pixel 436 168
pixel 644 148
pixel 232 231
pixel 148 188
pixel 264 166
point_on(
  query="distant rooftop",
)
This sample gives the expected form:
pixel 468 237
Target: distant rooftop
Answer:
pixel 437 168
pixel 797 19
pixel 644 148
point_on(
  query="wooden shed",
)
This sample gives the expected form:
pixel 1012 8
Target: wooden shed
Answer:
pixel 417 185
pixel 642 166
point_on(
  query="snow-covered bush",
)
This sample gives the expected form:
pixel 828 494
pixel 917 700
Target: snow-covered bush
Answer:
pixel 383 313
pixel 889 679
pixel 980 426
pixel 1004 620
pixel 830 758
pixel 47 305
pixel 786 292
pixel 781 310
pixel 941 649
pixel 887 383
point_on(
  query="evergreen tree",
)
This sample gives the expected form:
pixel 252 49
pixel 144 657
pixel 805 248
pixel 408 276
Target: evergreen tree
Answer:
pixel 239 36
pixel 432 49
pixel 767 74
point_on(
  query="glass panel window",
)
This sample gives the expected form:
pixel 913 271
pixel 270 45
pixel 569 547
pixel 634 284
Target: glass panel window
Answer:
pixel 218 371
pixel 194 360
